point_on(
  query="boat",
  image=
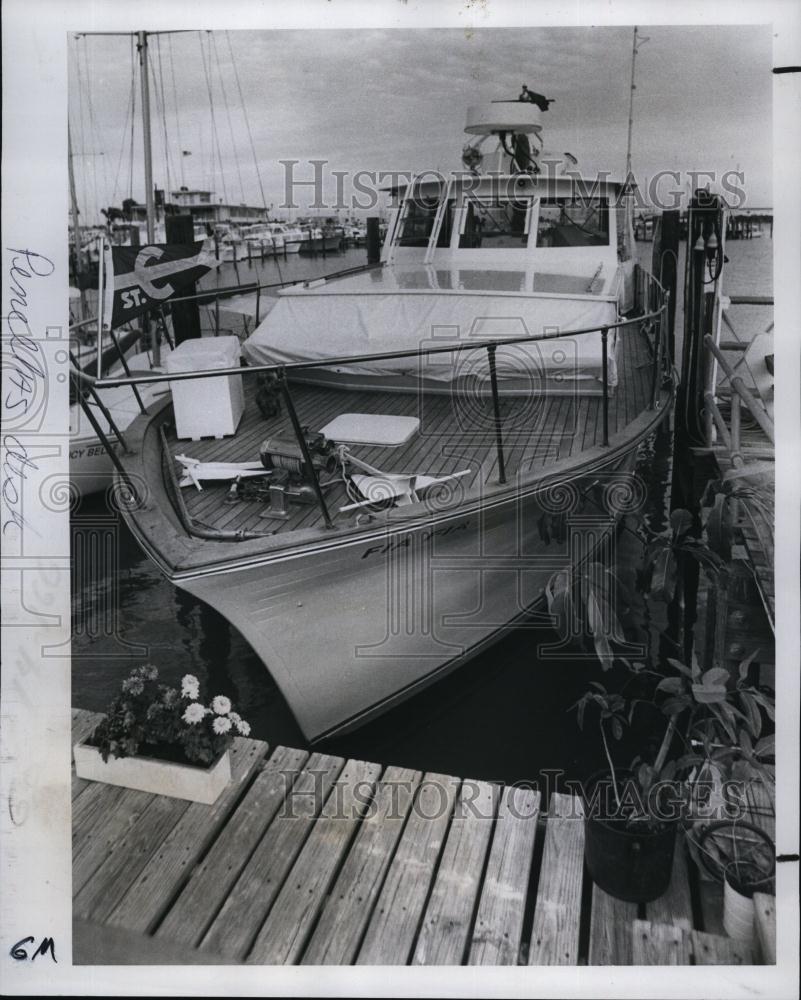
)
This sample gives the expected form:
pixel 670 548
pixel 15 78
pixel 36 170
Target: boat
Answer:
pixel 444 436
pixel 276 237
pixel 91 469
pixel 327 238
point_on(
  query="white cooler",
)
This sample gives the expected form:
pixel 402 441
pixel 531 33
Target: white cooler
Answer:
pixel 206 407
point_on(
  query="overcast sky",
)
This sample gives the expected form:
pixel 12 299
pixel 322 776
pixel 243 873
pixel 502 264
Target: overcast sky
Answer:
pixel 396 100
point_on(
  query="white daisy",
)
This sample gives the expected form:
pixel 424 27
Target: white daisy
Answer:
pixel 194 713
pixel 221 725
pixel 221 705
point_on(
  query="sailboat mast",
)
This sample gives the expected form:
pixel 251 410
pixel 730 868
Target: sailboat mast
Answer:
pixel 76 229
pixel 631 104
pixel 149 202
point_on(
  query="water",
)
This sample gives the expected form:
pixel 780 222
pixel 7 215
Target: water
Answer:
pixel 505 716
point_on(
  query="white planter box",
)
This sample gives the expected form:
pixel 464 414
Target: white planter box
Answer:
pixel 161 777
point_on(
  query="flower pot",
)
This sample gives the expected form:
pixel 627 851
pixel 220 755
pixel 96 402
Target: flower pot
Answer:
pixel 738 913
pixel 160 777
pixel 633 862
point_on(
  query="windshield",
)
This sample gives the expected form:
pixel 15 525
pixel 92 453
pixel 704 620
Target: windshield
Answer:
pixel 564 222
pixel 495 223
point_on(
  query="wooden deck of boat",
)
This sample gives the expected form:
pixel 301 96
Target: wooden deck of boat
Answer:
pixel 312 859
pixel 455 433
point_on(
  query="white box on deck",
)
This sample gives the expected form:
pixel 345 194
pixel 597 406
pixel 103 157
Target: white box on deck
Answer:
pixel 206 407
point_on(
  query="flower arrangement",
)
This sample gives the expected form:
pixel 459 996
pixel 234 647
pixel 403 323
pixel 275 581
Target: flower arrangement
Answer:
pixel 154 719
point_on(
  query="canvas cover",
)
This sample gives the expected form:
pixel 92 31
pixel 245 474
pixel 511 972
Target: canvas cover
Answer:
pixel 310 325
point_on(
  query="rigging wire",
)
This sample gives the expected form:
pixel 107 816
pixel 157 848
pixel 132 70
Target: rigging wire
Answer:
pixel 228 116
pixel 177 116
pixel 92 129
pixel 80 134
pixel 158 87
pixel 134 62
pixel 124 134
pixel 247 120
pixel 215 136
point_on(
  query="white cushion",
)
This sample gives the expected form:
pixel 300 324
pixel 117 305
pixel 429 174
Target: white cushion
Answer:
pixel 371 428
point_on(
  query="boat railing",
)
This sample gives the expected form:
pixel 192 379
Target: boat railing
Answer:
pixel 649 316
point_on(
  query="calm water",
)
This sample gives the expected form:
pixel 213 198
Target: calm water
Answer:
pixel 504 716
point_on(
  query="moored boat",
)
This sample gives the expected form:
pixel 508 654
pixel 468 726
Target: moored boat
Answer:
pixel 439 435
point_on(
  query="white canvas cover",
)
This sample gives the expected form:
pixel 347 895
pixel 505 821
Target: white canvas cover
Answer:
pixel 309 325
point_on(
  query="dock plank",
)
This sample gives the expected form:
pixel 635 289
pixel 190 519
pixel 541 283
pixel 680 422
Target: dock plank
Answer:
pixel 159 881
pixel 675 906
pixel 345 916
pixel 284 934
pixel 103 830
pixel 659 944
pixel 765 916
pixel 499 922
pixel 445 930
pixel 555 933
pixel 611 923
pixel 234 928
pixel 127 857
pixel 396 917
pixel 211 881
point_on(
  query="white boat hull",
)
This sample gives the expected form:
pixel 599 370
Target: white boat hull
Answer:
pixel 349 630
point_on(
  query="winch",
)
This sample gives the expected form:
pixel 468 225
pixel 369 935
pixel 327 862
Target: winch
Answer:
pixel 291 478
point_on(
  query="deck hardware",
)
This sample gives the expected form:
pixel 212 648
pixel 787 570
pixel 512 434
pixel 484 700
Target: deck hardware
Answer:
pixel 496 406
pixel 311 469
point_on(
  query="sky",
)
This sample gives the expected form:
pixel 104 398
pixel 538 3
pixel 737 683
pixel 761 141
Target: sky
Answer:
pixel 395 99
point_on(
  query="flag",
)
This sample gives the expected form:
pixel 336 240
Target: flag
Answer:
pixel 138 278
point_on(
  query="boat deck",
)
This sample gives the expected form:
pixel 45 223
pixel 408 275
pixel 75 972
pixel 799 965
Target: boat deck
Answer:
pixel 314 860
pixel 456 433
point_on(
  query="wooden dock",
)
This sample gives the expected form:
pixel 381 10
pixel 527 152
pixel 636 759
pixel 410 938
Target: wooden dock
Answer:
pixel 307 858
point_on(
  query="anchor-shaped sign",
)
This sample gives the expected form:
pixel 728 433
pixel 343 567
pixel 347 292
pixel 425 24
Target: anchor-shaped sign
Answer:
pixel 134 278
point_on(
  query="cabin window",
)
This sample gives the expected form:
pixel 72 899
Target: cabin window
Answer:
pixel 418 223
pixel 567 222
pixel 494 223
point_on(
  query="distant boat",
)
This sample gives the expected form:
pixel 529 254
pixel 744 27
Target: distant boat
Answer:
pixel 320 239
pixel 276 236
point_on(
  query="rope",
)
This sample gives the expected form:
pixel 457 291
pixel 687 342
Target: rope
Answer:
pixel 247 120
pixel 215 137
pixel 128 111
pixel 133 122
pixel 92 129
pixel 177 117
pixel 163 102
pixel 228 116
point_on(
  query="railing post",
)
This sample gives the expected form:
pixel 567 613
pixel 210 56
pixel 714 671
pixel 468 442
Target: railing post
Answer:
pixel 496 407
pixel 605 372
pixel 307 459
pixel 258 302
pixel 657 363
pixel 127 370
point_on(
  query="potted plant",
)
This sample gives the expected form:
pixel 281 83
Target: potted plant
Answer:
pixel 158 739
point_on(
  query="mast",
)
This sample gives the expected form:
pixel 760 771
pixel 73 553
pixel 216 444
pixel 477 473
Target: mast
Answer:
pixel 149 203
pixel 149 200
pixel 76 230
pixel 638 40
pixel 632 88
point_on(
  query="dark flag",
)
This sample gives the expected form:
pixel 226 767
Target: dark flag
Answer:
pixel 138 278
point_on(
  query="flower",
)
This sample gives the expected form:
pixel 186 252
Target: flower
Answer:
pixel 133 685
pixel 149 672
pixel 221 725
pixel 235 717
pixel 190 687
pixel 169 697
pixel 221 705
pixel 243 727
pixel 194 713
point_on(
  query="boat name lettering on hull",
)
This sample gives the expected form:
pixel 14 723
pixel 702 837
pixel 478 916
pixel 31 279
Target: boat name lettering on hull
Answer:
pixel 405 541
